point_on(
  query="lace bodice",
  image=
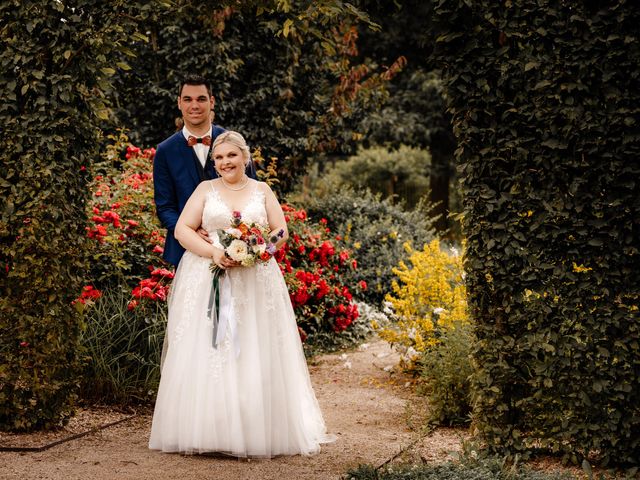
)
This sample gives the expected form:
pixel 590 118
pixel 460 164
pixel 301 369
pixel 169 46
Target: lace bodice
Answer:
pixel 217 214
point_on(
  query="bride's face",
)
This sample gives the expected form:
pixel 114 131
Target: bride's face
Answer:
pixel 229 162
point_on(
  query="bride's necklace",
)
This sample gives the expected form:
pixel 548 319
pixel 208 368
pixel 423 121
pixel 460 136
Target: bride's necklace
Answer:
pixel 245 183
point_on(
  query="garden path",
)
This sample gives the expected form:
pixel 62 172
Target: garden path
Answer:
pixel 365 403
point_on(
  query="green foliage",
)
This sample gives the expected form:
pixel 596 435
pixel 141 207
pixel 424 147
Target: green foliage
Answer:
pixel 414 113
pixel 56 63
pixel 400 175
pixel 284 76
pixel 545 100
pixel 315 268
pixel 123 348
pixel 446 369
pixel 374 230
pixel 359 331
pixel 123 226
pixel 482 469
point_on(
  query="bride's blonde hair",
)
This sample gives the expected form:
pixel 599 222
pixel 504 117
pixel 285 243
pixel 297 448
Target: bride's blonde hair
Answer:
pixel 234 138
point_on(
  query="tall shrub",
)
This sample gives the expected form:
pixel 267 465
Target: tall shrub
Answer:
pixel 545 98
pixel 55 60
pixel 401 175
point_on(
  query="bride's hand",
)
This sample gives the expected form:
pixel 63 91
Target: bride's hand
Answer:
pixel 220 259
pixel 203 234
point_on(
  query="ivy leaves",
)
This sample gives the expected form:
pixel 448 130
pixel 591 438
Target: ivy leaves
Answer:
pixel 544 100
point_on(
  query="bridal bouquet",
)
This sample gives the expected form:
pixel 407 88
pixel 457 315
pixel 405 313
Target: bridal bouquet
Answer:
pixel 247 243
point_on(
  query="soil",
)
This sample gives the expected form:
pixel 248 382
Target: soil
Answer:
pixel 366 402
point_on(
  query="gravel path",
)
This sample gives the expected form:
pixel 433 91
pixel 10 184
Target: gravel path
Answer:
pixel 368 406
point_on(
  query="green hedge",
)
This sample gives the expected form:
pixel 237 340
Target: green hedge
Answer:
pixel 54 69
pixel 545 98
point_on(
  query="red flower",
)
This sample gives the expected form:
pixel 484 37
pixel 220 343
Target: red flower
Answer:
pixel 323 289
pixel 88 293
pixel 148 283
pixel 163 272
pixel 362 284
pixel 158 249
pixel 132 304
pixel 24 344
pixel 161 293
pixel 301 297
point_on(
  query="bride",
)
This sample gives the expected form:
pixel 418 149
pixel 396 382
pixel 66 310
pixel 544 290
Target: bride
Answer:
pixel 244 390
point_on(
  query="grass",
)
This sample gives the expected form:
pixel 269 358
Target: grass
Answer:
pixel 123 349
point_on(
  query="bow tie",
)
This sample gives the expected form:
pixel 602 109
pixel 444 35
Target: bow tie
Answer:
pixel 206 140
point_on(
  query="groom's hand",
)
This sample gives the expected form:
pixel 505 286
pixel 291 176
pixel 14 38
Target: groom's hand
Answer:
pixel 203 233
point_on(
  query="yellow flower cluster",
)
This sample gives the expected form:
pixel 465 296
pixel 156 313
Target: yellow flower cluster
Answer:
pixel 429 297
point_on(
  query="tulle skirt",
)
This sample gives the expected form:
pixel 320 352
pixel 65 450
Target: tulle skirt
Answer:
pixel 251 395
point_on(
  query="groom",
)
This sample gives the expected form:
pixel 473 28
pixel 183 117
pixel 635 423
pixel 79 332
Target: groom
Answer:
pixel 183 160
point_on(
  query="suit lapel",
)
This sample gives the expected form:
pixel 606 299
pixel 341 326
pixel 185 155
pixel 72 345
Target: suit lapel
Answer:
pixel 208 165
pixel 189 158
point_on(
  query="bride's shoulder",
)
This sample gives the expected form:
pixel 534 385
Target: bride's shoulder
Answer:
pixel 205 187
pixel 261 186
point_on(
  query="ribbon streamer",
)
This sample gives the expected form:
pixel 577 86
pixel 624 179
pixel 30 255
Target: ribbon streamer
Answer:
pixel 220 310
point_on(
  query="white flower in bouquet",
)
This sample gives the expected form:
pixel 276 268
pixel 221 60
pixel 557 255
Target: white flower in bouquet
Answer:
pixel 234 232
pixel 259 248
pixel 237 250
pixel 248 261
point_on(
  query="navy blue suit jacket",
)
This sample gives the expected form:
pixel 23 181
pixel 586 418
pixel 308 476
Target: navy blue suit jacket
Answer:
pixel 175 178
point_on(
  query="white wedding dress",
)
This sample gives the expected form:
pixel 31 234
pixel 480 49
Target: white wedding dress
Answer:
pixel 251 396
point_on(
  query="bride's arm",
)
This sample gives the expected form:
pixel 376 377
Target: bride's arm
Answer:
pixel 188 224
pixel 275 215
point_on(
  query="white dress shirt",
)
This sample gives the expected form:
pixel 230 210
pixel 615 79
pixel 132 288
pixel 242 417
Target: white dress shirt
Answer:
pixel 200 148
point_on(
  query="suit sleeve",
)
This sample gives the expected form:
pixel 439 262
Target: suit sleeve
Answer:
pixel 164 191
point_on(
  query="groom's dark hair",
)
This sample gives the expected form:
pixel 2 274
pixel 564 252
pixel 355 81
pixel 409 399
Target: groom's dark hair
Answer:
pixel 194 80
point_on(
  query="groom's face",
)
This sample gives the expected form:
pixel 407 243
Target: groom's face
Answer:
pixel 196 105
